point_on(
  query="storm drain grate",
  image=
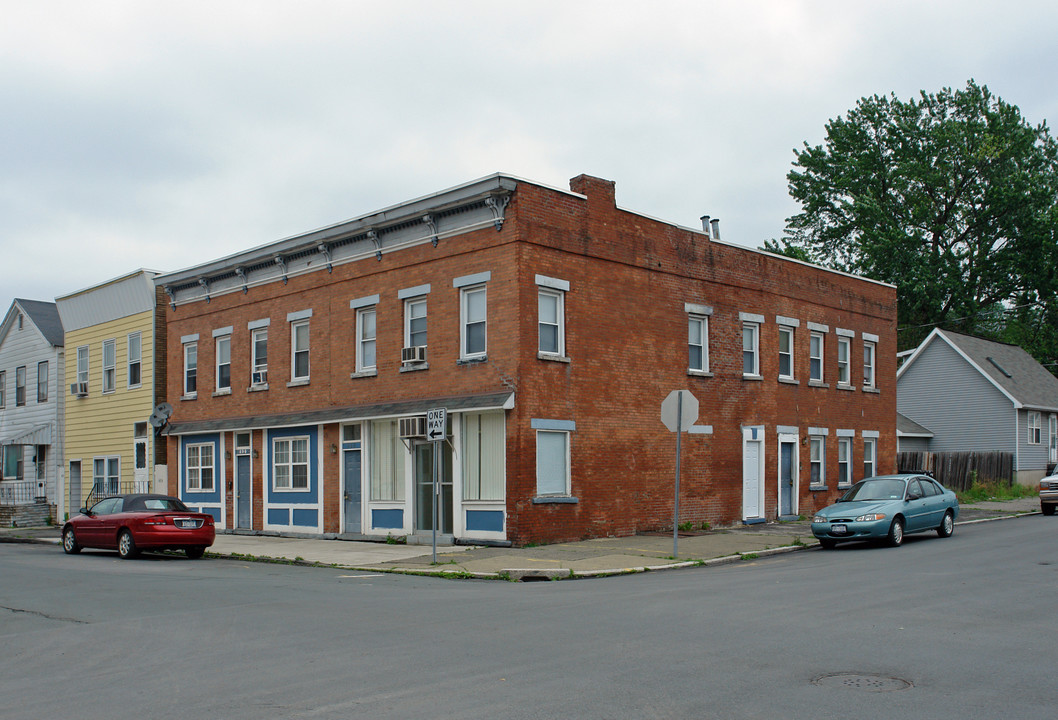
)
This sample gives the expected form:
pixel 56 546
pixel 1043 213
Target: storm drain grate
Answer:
pixel 860 681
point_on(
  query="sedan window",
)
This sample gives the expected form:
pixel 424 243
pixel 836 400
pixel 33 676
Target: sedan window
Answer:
pixel 890 489
pixel 107 507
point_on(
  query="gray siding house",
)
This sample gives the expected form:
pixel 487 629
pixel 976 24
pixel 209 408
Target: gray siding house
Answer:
pixel 971 394
pixel 31 406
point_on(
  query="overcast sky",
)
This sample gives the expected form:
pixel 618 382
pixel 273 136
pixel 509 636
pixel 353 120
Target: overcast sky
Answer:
pixel 161 135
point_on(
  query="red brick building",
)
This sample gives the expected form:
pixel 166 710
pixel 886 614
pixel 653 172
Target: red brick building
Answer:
pixel 550 325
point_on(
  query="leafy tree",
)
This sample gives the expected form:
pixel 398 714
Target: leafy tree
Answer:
pixel 951 197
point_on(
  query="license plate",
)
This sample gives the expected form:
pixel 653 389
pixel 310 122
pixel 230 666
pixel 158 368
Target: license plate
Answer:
pixel 838 529
pixel 188 524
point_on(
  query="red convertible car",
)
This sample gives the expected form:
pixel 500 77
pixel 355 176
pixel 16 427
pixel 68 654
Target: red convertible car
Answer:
pixel 132 523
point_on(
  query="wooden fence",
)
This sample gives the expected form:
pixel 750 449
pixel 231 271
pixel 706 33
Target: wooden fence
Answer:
pixel 958 470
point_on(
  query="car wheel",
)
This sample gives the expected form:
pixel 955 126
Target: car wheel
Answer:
pixel 69 542
pixel 947 525
pixel 827 544
pixel 195 552
pixel 896 533
pixel 126 545
pixel 1047 508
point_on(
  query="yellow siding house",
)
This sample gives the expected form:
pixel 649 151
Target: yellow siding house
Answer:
pixel 115 367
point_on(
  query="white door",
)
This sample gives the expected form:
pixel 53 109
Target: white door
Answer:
pixel 752 472
pixel 1053 443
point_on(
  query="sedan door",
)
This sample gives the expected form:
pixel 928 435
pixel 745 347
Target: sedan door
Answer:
pixel 916 507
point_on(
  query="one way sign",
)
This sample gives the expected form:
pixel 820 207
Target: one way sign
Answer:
pixel 435 423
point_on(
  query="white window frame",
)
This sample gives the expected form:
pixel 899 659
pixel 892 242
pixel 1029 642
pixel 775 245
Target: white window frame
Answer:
pixel 702 323
pixel 870 354
pixel 3 388
pixel 191 369
pixel 82 367
pixel 870 457
pixel 410 307
pixel 787 332
pixel 295 327
pixel 42 381
pixel 550 491
pixel 257 336
pixel 134 359
pixel 222 341
pixel 845 366
pixel 194 472
pixel 753 351
pixel 363 341
pixel 110 364
pixel 111 471
pixel 289 441
pixel 483 443
pixel 817 460
pixel 17 455
pixel 20 385
pixel 465 295
pixel 559 323
pixel 815 356
pixel 845 448
pixel 1035 428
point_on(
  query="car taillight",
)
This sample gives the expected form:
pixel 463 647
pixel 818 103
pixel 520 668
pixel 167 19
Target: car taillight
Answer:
pixel 160 520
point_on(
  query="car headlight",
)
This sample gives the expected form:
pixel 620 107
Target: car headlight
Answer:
pixel 819 519
pixel 871 517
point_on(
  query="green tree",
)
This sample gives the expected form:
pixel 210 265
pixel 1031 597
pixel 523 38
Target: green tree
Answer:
pixel 949 196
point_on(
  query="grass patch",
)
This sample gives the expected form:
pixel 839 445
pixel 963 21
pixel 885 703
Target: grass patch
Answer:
pixel 982 491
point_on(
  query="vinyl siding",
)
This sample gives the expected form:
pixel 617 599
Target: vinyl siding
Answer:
pixel 966 412
pixel 28 347
pixel 103 425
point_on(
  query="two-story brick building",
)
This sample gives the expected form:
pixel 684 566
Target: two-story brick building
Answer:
pixel 550 325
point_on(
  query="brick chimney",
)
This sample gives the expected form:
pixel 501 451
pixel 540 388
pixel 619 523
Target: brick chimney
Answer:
pixel 600 192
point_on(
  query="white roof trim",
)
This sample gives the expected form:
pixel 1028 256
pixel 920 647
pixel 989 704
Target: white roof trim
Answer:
pixel 937 332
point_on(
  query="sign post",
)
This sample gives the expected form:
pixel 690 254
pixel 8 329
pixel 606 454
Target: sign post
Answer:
pixel 678 412
pixel 436 420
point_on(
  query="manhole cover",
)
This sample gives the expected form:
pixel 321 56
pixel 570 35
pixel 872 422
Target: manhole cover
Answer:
pixel 860 681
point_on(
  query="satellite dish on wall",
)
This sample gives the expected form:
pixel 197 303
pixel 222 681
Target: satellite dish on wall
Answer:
pixel 161 414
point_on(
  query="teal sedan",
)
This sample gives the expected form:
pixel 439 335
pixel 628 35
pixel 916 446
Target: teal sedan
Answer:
pixel 887 507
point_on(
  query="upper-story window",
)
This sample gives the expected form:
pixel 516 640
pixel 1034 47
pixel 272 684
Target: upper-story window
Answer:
pixel 190 367
pixel 366 332
pixel 299 345
pixel 82 366
pixel 222 342
pixel 869 345
pixel 135 360
pixel 751 344
pixel 258 353
pixel 786 349
pixel 109 365
pixel 473 313
pixel 415 322
pixel 551 316
pixel 42 381
pixel 844 359
pixel 697 337
pixel 815 356
pixel 20 386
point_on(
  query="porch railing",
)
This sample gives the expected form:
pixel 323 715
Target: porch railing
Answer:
pixel 22 492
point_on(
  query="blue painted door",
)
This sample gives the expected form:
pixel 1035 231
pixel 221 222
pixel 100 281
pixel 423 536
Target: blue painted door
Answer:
pixel 242 491
pixel 786 479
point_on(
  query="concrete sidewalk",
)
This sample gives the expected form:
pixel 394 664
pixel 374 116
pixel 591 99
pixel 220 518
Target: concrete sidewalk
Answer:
pixel 587 558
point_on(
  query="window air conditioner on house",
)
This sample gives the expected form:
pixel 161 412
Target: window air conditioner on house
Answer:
pixel 413 354
pixel 79 389
pixel 259 378
pixel 413 427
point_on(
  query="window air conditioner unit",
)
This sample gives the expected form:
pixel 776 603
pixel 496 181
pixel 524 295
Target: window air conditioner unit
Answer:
pixel 413 354
pixel 259 378
pixel 79 389
pixel 413 427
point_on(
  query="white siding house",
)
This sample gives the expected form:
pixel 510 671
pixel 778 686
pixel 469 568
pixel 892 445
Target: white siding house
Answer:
pixel 31 405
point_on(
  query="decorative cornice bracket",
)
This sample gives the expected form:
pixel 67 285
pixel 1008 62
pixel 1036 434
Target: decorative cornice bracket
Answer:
pixel 498 204
pixel 373 237
pixel 325 250
pixel 282 266
pixel 428 219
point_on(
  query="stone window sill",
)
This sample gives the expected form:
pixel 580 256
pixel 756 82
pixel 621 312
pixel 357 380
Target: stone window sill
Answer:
pixel 558 500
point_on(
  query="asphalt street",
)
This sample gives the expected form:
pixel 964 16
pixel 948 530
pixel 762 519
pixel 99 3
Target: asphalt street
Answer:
pixel 951 628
